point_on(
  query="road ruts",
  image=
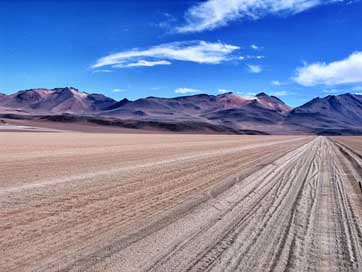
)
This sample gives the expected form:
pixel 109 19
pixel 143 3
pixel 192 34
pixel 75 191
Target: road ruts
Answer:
pixel 296 214
pixel 350 147
pixel 69 201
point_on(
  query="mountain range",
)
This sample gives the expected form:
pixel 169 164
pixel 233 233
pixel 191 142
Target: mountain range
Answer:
pixel 224 113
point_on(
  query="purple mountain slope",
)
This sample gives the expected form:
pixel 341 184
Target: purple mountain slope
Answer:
pixel 340 112
pixel 56 101
pixel 333 114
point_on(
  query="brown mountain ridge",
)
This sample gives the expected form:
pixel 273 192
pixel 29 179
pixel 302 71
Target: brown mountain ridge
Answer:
pixel 224 113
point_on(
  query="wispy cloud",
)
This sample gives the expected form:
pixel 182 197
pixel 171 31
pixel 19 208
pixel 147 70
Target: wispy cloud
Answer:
pixel 259 57
pixel 187 91
pixel 255 69
pixel 212 14
pixel 166 21
pixel 190 51
pixel 144 63
pixel 255 47
pixel 118 90
pixel 348 70
pixel 276 83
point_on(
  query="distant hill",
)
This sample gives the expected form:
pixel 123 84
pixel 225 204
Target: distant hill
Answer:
pixel 56 101
pixel 202 106
pixel 341 113
pixel 227 112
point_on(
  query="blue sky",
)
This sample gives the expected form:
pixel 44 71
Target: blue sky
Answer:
pixel 295 49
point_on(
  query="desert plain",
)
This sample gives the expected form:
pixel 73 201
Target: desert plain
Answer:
pixel 156 202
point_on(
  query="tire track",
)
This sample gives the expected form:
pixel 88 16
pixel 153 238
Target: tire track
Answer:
pixel 293 215
pixel 231 209
pixel 74 224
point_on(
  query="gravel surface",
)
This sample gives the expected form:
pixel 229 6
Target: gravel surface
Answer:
pixel 106 202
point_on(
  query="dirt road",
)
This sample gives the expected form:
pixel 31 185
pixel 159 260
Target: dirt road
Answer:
pixel 192 203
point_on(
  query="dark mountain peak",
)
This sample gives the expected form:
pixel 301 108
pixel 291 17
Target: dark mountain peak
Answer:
pixel 99 97
pixel 340 96
pixel 349 96
pixel 66 89
pixel 202 95
pixel 272 102
pixel 346 94
pixel 63 93
pixel 262 94
pixel 119 104
pixel 336 111
pixel 311 102
pixel 277 98
pixel 31 95
pixel 124 100
pixel 226 94
pixel 196 97
pixel 34 90
pixel 332 99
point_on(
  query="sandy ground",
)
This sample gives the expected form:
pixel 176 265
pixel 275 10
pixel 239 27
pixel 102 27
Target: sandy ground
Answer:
pixel 93 202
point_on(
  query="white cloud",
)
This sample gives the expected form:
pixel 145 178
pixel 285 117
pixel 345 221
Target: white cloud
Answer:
pixel 276 83
pixel 166 21
pixel 252 57
pixel 118 90
pixel 144 63
pixel 186 91
pixel 348 70
pixel 255 47
pixel 212 14
pixel 255 69
pixel 191 51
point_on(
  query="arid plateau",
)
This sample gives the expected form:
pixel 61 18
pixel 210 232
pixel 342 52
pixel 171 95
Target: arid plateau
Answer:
pixel 155 202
